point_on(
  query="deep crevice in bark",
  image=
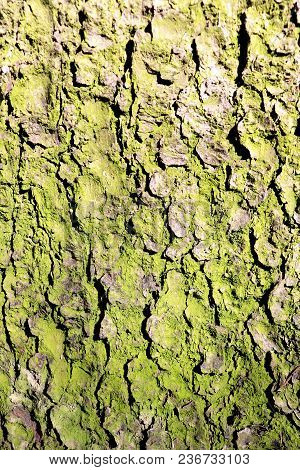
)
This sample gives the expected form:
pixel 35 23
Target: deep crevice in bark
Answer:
pixel 235 140
pixel 243 40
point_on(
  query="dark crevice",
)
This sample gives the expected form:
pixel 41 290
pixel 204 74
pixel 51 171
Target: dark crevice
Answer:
pixel 234 439
pixel 47 383
pixel 137 137
pixel 119 134
pixel 282 266
pixel 228 177
pixel 37 429
pixel 274 115
pixel 34 204
pixel 7 333
pixel 111 440
pixel 30 40
pixel 254 345
pixel 234 138
pixel 145 434
pixel 70 195
pixel 257 262
pixel 3 429
pixel 294 14
pixel 199 159
pixel 286 217
pixel 175 106
pixel 148 29
pixel 149 11
pixel 230 420
pixel 195 55
pixel 160 80
pixel 125 375
pixel 264 302
pixel 82 17
pixel 243 41
pixel 163 81
pixel 172 236
pixel 160 163
pixel 146 336
pixel 52 306
pixel 147 314
pixel 29 334
pixel 270 388
pixel 55 431
pixel 10 109
pixel 102 304
pixel 60 98
pixel 130 46
pixel 297 130
pixel 187 321
pixel 73 70
pixel 89 265
pixel 197 368
pixel 101 413
pixel 129 226
pixel 116 110
pixel 274 53
pixel 129 55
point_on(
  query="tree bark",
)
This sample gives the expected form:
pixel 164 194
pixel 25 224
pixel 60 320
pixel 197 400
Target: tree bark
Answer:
pixel 149 248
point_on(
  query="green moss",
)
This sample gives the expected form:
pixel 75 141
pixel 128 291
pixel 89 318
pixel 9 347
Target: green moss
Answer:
pixel 148 210
pixel 29 95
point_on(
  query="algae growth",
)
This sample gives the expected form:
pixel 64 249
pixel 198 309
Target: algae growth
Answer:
pixel 149 255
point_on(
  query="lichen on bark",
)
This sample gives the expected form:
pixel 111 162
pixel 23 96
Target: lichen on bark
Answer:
pixel 149 261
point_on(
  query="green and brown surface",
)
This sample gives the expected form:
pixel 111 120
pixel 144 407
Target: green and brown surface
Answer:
pixel 148 222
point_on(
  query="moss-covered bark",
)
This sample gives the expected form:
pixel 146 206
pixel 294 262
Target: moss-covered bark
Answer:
pixel 149 247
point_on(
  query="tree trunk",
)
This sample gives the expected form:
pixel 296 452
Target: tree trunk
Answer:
pixel 149 247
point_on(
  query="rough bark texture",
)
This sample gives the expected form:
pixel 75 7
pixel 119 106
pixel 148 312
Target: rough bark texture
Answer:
pixel 149 246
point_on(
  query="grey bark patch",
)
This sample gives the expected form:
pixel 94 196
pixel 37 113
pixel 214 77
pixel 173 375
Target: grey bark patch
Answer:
pixel 178 220
pixel 159 185
pixel 211 153
pixel 239 220
pixel 174 153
